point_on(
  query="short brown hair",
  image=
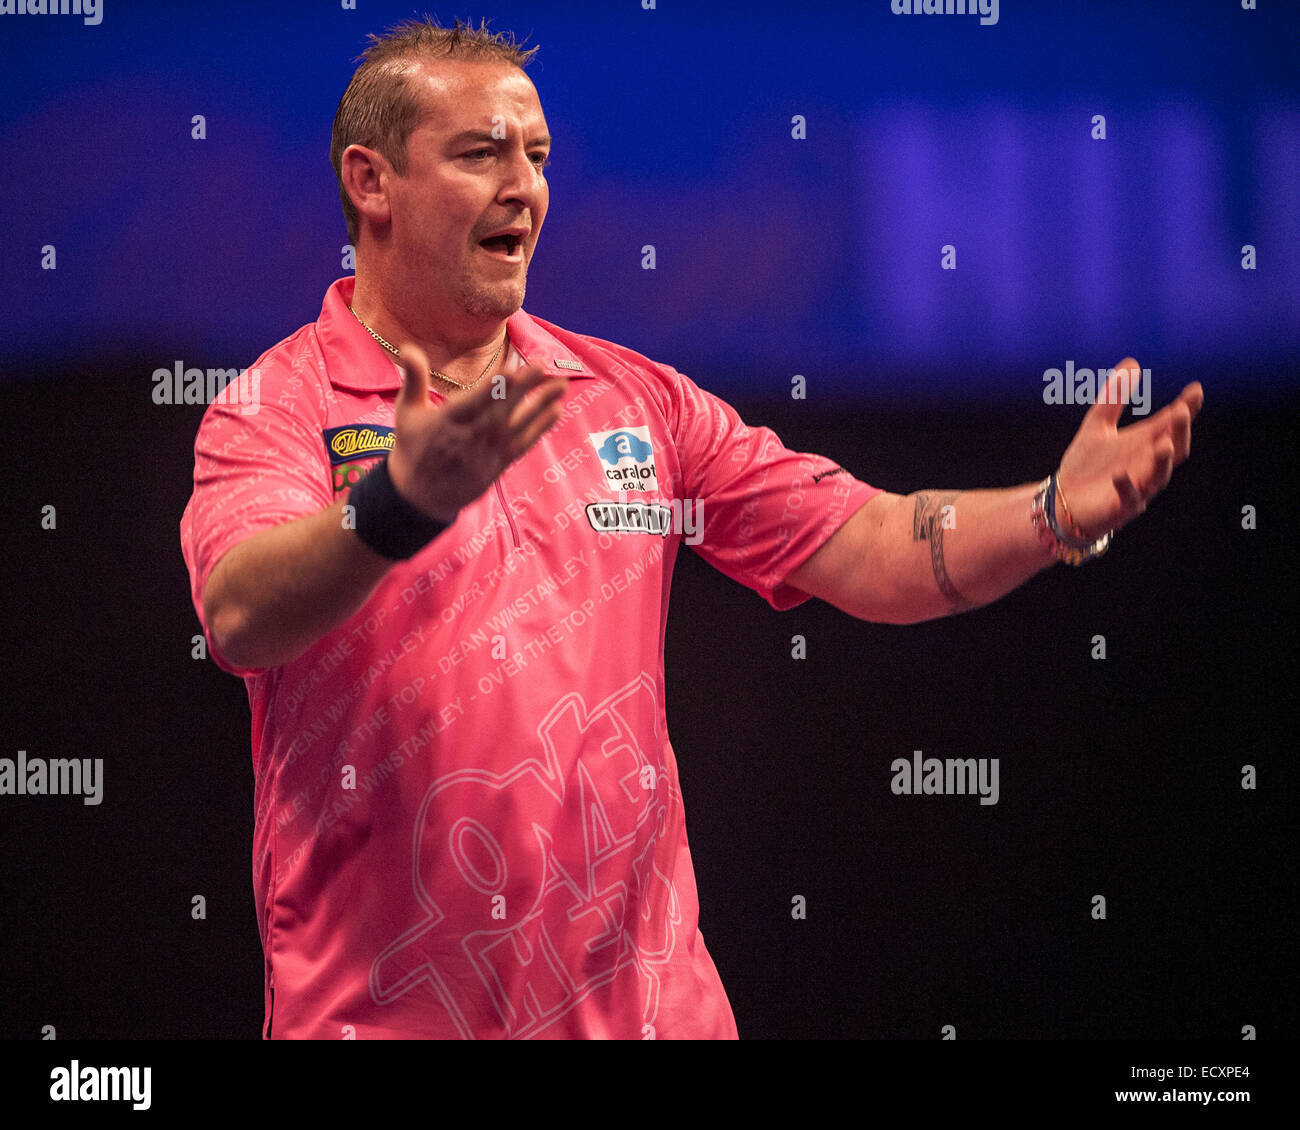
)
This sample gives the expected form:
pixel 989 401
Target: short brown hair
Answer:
pixel 380 107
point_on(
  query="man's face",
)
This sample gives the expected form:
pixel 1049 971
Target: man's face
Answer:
pixel 463 184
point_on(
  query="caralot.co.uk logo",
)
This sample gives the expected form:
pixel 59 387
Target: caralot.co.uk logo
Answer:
pixel 627 458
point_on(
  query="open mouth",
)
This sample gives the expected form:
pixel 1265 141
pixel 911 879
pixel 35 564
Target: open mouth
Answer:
pixel 508 247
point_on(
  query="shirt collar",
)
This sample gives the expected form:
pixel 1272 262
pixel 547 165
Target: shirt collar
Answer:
pixel 355 360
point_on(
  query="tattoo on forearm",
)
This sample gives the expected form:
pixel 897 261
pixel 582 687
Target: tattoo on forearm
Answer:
pixel 927 525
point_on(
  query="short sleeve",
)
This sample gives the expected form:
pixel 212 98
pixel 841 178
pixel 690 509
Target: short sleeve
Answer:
pixel 252 471
pixel 766 509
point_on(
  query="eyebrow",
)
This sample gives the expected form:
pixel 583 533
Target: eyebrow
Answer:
pixel 483 135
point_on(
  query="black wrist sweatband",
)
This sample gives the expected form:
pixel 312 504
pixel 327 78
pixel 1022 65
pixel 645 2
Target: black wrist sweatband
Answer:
pixel 385 521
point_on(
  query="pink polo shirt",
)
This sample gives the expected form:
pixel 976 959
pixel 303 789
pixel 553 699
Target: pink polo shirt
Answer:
pixel 468 818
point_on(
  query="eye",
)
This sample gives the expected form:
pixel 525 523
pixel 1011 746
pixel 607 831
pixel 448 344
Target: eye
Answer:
pixel 478 153
pixel 542 160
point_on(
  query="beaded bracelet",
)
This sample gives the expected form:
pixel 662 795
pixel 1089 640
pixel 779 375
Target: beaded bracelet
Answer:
pixel 1063 546
pixel 1075 532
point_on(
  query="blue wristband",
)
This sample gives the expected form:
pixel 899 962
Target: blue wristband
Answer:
pixel 385 521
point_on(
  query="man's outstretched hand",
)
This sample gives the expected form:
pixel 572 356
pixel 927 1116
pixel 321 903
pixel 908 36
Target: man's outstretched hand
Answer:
pixel 1108 474
pixel 444 456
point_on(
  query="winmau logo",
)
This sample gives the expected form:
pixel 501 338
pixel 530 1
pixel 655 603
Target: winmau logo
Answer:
pixel 627 458
pixel 680 516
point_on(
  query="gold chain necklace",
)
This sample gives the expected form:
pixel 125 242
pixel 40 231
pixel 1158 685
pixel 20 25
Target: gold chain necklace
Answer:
pixel 434 372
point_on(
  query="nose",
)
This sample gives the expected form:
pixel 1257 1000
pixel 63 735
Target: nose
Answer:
pixel 521 182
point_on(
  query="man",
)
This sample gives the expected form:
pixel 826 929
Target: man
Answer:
pixel 440 555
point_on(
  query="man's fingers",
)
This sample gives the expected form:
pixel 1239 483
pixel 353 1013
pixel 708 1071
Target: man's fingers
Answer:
pixel 528 410
pixel 534 416
pixel 519 390
pixel 1163 470
pixel 1180 431
pixel 1175 421
pixel 1128 493
pixel 511 388
pixel 533 432
pixel 415 376
pixel 1193 395
pixel 1110 405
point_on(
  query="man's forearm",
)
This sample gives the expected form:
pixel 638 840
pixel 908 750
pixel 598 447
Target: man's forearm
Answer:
pixel 272 596
pixel 948 551
pixel 901 559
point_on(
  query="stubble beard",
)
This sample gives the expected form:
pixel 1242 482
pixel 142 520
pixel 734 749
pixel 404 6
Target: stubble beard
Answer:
pixel 491 303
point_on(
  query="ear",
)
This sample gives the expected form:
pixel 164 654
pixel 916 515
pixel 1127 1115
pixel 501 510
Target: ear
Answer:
pixel 364 173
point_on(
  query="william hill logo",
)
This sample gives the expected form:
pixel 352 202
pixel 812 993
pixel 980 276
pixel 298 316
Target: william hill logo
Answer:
pixel 357 441
pixel 627 458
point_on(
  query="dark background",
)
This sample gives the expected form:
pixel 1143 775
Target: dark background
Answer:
pixel 1118 777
